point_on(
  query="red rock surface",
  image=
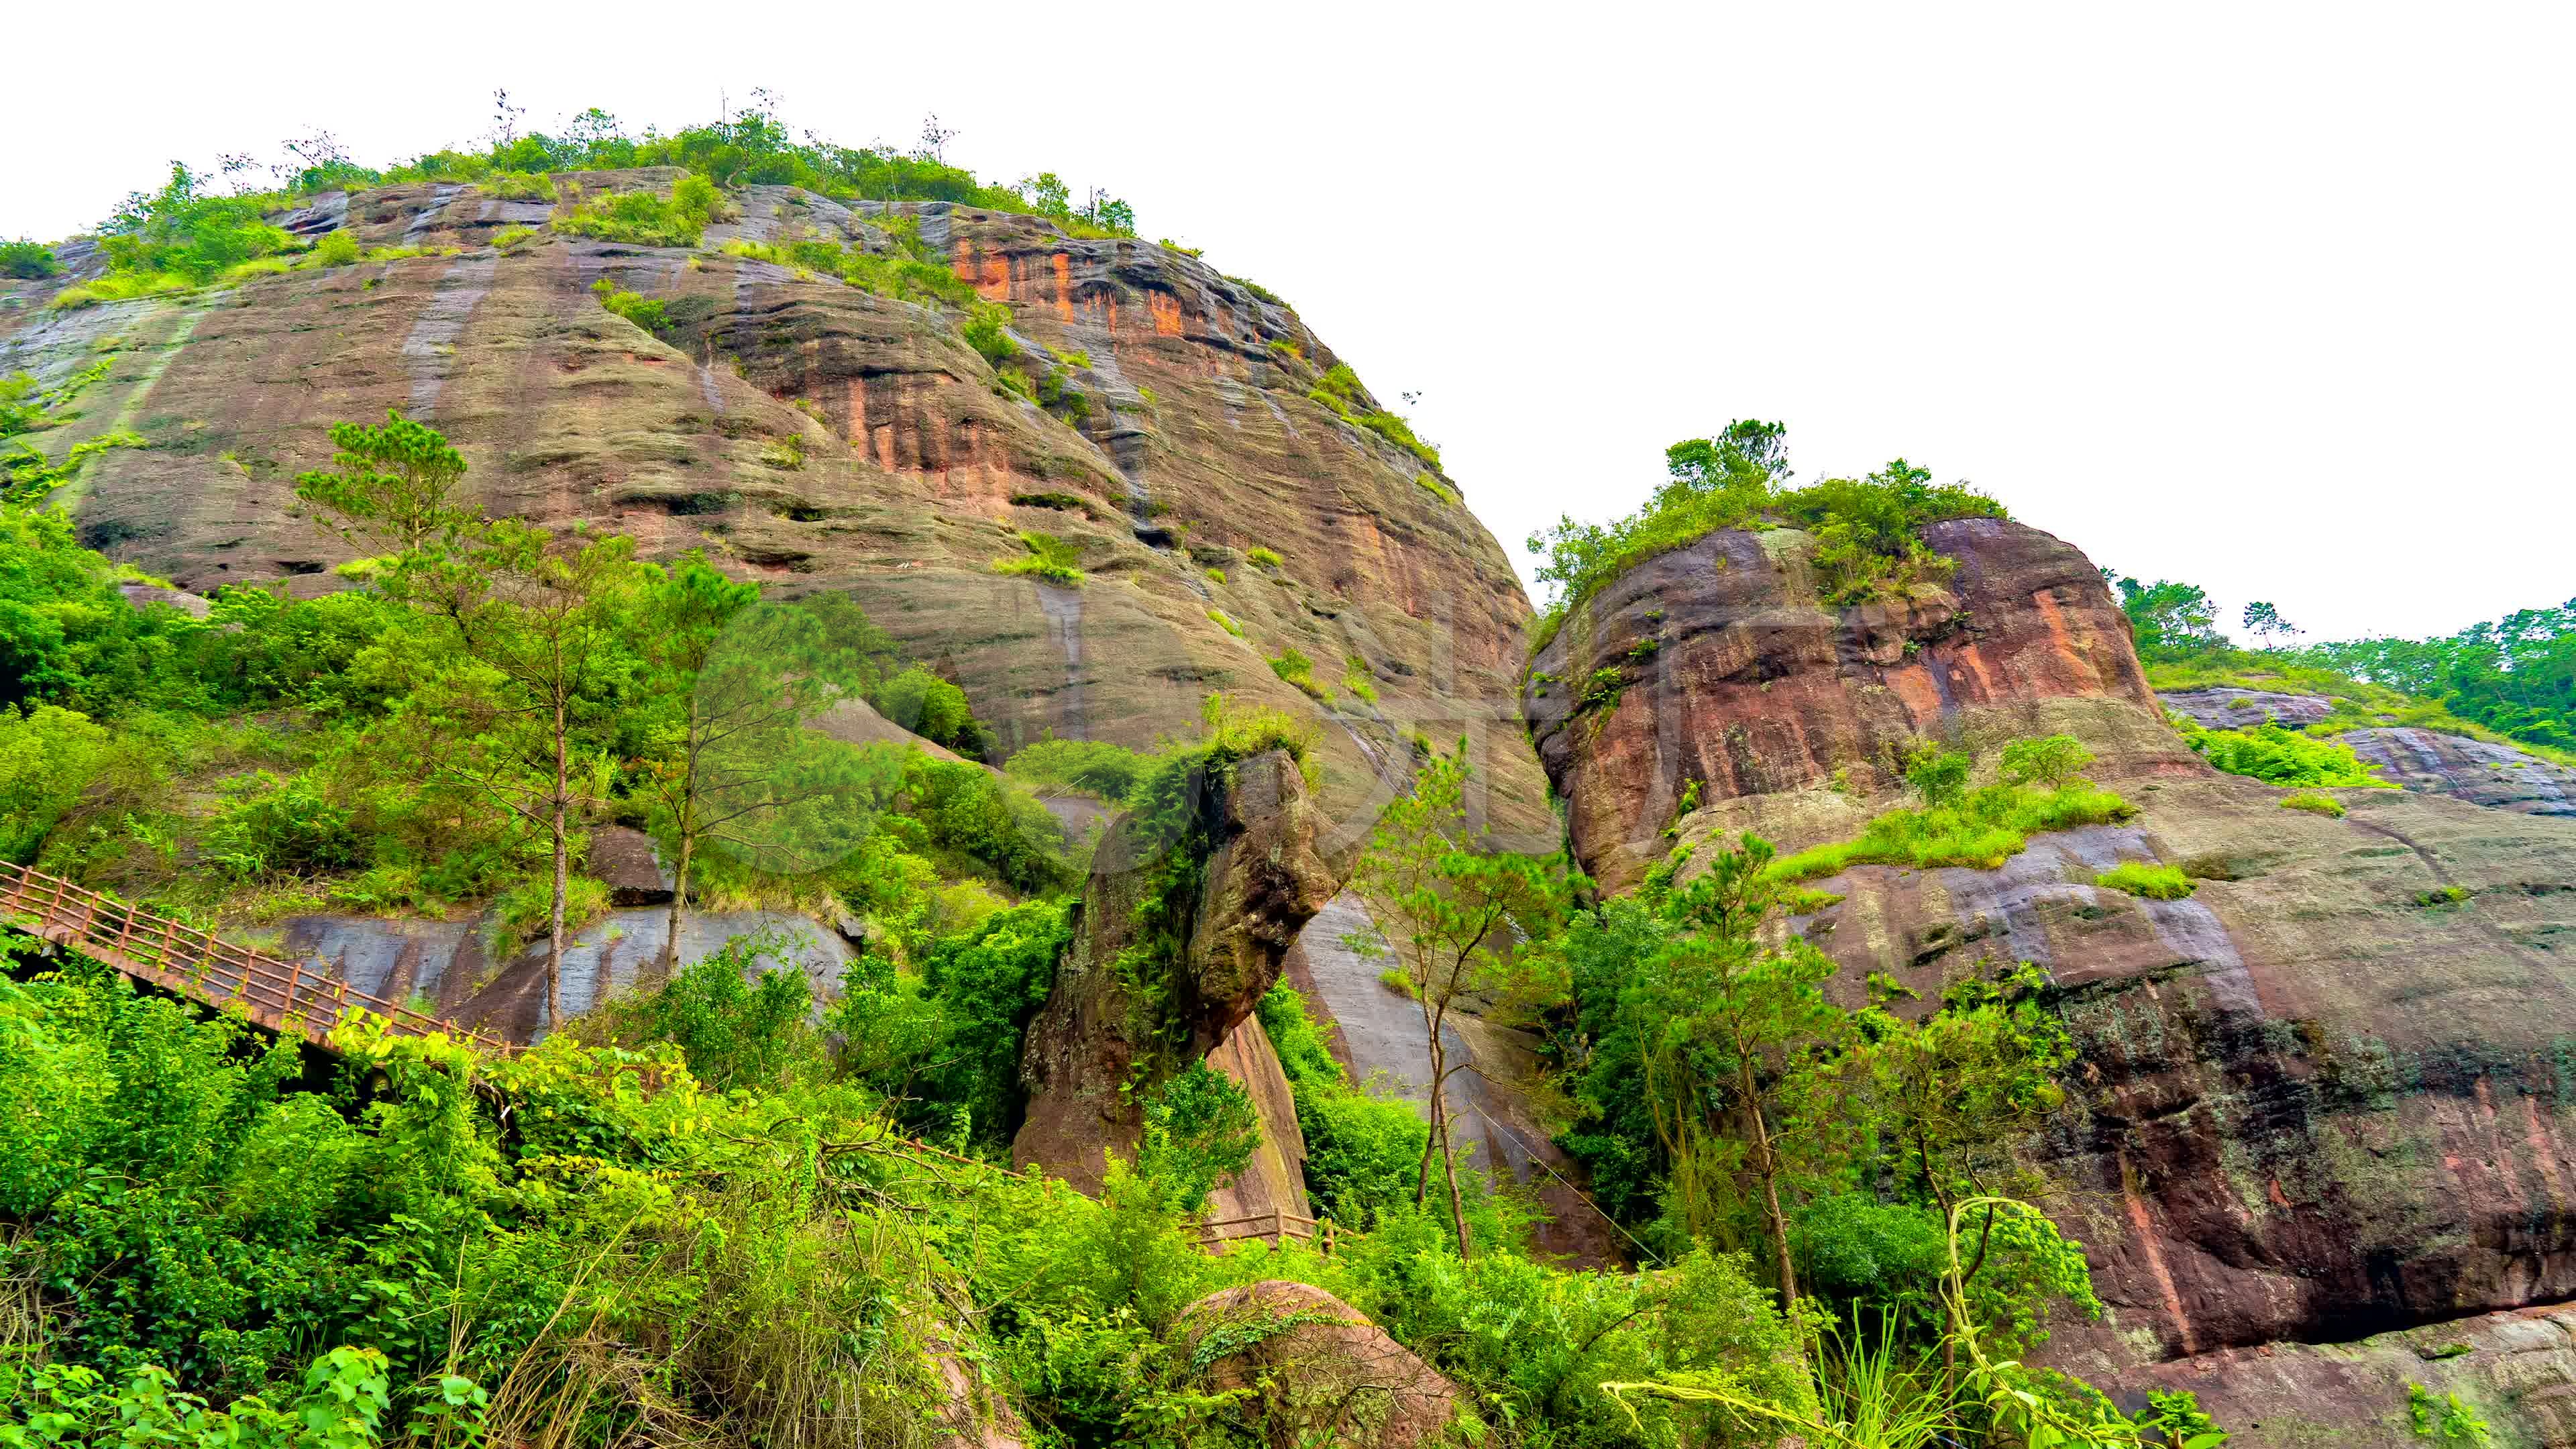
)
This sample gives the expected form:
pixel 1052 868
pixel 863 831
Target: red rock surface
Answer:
pixel 2314 1101
pixel 1731 676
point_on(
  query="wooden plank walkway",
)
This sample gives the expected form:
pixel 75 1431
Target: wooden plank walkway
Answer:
pixel 284 996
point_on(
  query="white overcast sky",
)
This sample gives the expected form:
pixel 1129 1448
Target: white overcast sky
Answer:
pixel 2273 298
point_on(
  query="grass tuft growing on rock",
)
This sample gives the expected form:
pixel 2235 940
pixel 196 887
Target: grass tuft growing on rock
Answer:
pixel 2314 803
pixel 2141 878
pixel 1982 831
pixel 640 218
pixel 1048 557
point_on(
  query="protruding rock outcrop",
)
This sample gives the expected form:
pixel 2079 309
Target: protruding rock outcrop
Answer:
pixel 2329 1094
pixel 1105 1035
pixel 1713 663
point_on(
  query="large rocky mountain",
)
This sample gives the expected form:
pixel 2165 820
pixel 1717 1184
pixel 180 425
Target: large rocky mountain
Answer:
pixel 2328 1096
pixel 819 436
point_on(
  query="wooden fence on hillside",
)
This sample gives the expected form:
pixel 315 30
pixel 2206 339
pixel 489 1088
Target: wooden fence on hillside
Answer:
pixel 284 996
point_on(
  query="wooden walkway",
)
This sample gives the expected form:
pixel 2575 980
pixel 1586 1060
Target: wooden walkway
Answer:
pixel 284 996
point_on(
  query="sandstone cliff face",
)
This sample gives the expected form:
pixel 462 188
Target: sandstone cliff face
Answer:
pixel 1722 669
pixel 1199 445
pixel 2315 1100
pixel 1268 873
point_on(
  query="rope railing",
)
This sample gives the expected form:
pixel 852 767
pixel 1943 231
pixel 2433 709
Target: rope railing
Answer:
pixel 280 995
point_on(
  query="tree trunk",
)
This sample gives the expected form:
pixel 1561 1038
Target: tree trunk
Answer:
pixel 1431 1141
pixel 1767 1167
pixel 679 897
pixel 1449 1164
pixel 563 878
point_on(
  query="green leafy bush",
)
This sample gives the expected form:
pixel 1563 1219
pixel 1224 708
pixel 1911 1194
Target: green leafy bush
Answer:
pixel 1363 1145
pixel 986 329
pixel 1295 668
pixel 1262 558
pixel 29 260
pixel 274 827
pixel 931 707
pixel 2144 878
pixel 337 249
pixel 648 313
pixel 640 218
pixel 1094 766
pixel 1866 529
pixel 2277 756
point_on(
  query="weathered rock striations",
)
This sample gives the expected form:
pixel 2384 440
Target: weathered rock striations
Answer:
pixel 1093 1045
pixel 1195 444
pixel 2330 1094
pixel 1713 663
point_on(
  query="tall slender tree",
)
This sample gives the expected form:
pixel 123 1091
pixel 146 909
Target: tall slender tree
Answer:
pixel 1460 919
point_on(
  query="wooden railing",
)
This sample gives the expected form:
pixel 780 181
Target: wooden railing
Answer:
pixel 280 995
pixel 1275 1226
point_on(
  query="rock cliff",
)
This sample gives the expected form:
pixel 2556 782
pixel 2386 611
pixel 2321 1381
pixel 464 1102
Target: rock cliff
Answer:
pixel 816 436
pixel 2328 1095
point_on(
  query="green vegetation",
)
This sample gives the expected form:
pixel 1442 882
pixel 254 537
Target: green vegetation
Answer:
pixel 1095 767
pixel 1295 668
pixel 645 312
pixel 919 274
pixel 2314 803
pixel 30 475
pixel 1867 530
pixel 2512 681
pixel 1355 678
pixel 1262 558
pixel 2276 756
pixel 1048 557
pixel 1339 391
pixel 1226 622
pixel 2142 878
pixel 1364 1144
pixel 640 218
pixel 28 260
pixel 2444 1420
pixel 510 236
pixel 1432 485
pixel 1981 828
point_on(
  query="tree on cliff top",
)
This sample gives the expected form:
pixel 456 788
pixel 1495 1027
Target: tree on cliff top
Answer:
pixel 1866 529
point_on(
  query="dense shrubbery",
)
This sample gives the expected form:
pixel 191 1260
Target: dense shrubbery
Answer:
pixel 29 260
pixel 2277 756
pixel 1867 530
pixel 1096 767
pixel 641 218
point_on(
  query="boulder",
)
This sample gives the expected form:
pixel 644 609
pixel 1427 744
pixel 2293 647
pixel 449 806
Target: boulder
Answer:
pixel 1319 1371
